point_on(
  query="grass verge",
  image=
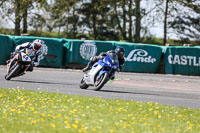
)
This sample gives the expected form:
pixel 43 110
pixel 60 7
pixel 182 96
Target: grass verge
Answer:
pixel 32 111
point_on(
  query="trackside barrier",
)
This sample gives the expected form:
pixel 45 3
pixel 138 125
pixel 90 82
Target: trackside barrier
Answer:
pixel 6 47
pixel 182 60
pixel 80 51
pixel 55 53
pixel 141 57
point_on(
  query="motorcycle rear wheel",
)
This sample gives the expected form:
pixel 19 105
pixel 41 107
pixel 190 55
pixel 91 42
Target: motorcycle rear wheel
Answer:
pixel 100 83
pixel 82 84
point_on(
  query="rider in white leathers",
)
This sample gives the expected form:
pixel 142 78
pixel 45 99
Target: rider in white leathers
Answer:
pixel 37 49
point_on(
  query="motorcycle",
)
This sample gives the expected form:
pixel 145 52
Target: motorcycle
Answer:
pixel 101 72
pixel 18 64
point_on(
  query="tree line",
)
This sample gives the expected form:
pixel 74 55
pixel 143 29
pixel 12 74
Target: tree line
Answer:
pixel 129 20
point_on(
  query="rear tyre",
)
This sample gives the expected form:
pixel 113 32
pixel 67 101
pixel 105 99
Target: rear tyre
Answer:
pixel 82 84
pixel 100 82
pixel 12 72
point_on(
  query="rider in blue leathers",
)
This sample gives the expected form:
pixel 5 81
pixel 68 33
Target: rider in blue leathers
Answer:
pixel 119 51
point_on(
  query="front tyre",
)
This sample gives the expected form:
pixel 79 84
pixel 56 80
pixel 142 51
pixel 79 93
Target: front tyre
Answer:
pixel 82 84
pixel 99 83
pixel 13 71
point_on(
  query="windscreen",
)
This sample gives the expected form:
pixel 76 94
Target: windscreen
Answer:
pixel 113 57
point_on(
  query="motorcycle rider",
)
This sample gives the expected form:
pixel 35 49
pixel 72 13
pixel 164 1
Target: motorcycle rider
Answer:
pixel 119 51
pixel 37 49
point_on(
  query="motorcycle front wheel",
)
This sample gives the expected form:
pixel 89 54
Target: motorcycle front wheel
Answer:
pixel 99 83
pixel 82 84
pixel 13 71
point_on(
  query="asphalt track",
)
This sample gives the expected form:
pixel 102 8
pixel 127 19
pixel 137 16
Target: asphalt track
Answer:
pixel 175 90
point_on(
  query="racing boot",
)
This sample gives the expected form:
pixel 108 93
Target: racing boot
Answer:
pixel 91 63
pixel 86 68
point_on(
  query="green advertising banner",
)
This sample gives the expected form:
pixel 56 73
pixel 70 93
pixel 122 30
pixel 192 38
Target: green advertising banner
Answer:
pixel 141 57
pixel 80 51
pixel 182 60
pixel 6 47
pixel 138 57
pixel 54 57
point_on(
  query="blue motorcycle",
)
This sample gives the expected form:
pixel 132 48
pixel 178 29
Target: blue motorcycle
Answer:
pixel 101 72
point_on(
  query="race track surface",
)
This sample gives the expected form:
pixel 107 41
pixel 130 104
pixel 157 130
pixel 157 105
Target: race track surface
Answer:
pixel 173 90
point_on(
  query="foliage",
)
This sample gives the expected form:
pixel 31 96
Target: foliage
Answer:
pixel 21 9
pixel 51 112
pixel 187 23
pixel 129 20
pixel 6 31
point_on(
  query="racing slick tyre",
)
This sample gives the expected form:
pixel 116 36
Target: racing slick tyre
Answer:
pixel 82 84
pixel 99 83
pixel 14 70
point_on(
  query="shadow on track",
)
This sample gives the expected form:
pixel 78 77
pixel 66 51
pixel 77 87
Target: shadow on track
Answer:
pixel 40 82
pixel 135 93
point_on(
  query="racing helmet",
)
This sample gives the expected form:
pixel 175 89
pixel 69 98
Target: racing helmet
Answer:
pixel 37 44
pixel 120 52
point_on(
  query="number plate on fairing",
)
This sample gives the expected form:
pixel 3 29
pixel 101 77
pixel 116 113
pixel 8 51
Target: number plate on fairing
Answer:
pixel 25 57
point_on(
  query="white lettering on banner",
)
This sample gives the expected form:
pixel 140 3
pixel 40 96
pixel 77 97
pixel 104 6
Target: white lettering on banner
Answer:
pixel 184 60
pixel 140 55
pixel 88 49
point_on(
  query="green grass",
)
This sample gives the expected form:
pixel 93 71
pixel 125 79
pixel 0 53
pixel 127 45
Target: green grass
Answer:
pixel 34 111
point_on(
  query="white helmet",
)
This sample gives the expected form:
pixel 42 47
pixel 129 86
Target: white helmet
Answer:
pixel 38 41
pixel 37 44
